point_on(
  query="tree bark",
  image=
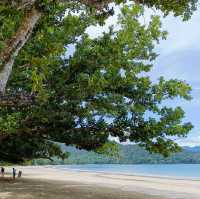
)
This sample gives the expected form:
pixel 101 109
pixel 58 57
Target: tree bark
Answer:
pixel 14 45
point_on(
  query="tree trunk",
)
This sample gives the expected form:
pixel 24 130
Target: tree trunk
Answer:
pixel 14 45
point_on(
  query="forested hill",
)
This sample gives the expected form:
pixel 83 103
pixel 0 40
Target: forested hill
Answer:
pixel 128 154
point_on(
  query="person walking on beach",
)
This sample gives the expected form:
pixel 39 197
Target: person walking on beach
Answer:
pixel 14 173
pixel 2 171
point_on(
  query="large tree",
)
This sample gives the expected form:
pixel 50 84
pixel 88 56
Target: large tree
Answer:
pixel 101 90
pixel 19 18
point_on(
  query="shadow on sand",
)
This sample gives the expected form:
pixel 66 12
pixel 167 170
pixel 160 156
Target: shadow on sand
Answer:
pixel 36 189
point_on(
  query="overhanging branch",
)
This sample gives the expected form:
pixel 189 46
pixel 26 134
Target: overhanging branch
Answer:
pixel 17 100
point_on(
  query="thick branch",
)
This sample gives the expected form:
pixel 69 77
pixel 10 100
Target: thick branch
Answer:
pixel 14 45
pixel 18 100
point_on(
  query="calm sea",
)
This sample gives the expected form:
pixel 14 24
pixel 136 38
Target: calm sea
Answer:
pixel 171 170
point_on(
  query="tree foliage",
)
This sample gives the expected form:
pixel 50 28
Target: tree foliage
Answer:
pixel 101 90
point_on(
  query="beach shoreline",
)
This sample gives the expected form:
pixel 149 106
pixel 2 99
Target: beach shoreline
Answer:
pixel 136 174
pixel 84 184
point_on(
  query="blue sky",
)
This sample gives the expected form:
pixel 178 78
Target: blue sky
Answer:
pixel 179 57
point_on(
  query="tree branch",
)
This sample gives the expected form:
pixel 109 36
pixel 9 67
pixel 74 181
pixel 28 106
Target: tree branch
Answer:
pixel 17 100
pixel 14 45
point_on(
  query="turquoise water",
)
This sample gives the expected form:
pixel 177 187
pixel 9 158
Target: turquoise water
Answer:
pixel 172 170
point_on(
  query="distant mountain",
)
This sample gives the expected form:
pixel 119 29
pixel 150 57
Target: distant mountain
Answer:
pixel 192 149
pixel 128 154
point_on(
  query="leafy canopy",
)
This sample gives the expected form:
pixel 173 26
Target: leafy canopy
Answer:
pixel 96 92
pixel 13 11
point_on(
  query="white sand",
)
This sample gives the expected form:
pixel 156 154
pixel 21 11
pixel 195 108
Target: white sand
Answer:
pixel 135 186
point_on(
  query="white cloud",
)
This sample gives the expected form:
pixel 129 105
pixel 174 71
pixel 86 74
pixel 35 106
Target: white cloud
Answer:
pixel 192 141
pixel 182 35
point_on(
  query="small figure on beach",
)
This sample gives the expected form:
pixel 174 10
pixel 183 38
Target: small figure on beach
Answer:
pixel 19 174
pixel 2 171
pixel 14 173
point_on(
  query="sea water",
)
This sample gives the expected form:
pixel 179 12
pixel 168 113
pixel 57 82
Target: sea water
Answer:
pixel 167 170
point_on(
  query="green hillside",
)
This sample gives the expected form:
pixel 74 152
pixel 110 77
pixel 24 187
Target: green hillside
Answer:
pixel 128 154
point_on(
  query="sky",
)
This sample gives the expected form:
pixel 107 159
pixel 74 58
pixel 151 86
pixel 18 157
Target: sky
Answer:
pixel 179 58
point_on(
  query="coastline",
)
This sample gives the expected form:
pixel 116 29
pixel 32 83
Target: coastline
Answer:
pixel 84 184
pixel 136 174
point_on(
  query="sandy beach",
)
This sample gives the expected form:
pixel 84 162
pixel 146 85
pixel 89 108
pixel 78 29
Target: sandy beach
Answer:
pixel 47 183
